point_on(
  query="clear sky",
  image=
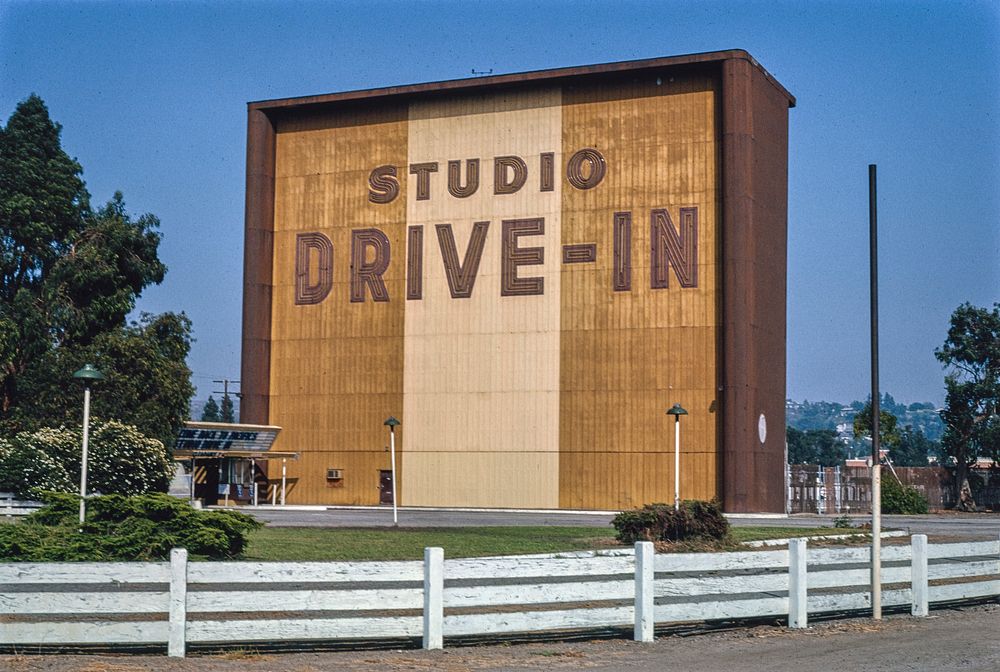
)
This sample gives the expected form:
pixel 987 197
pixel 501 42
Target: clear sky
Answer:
pixel 152 97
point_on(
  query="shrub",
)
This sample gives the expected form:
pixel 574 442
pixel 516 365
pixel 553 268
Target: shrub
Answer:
pixel 143 527
pixel 843 521
pixel 26 470
pixel 899 498
pixel 695 519
pixel 121 461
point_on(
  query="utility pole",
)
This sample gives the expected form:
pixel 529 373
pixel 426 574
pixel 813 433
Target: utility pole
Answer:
pixel 226 382
pixel 876 573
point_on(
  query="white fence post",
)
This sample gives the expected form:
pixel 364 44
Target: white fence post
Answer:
pixel 644 591
pixel 797 605
pixel 178 602
pixel 918 575
pixel 433 598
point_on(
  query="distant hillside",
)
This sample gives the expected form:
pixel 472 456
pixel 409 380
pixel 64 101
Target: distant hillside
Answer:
pixel 840 417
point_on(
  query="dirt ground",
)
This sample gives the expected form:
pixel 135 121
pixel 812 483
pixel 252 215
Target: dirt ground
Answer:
pixel 950 639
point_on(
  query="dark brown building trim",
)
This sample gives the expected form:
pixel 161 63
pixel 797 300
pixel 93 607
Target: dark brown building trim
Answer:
pixel 754 240
pixel 551 77
pixel 258 255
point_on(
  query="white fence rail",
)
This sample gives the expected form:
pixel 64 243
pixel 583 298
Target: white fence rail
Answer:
pixel 229 603
pixel 9 506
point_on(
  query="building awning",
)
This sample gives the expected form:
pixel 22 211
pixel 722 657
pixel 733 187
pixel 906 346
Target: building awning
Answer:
pixel 254 454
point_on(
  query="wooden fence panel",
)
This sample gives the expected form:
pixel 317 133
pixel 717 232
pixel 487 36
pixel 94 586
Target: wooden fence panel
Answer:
pixel 522 594
pixel 303 572
pixel 85 572
pixel 88 632
pixel 222 601
pixel 84 603
pixel 269 630
pixel 530 621
pixel 520 568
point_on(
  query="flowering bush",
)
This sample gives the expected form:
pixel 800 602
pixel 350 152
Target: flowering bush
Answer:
pixel 26 470
pixel 121 461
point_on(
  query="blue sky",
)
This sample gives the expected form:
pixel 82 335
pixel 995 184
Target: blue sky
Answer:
pixel 152 99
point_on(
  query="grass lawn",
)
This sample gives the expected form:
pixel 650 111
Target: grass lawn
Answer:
pixel 294 543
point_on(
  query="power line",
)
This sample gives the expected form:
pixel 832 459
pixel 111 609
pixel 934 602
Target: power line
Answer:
pixel 226 382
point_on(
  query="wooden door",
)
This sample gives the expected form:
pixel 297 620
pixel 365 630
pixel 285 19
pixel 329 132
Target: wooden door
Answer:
pixel 385 487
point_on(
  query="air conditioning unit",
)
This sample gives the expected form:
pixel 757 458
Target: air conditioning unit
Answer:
pixel 334 474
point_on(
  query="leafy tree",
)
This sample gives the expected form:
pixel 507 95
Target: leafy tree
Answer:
pixel 829 451
pixel 147 382
pixel 814 446
pixel 971 352
pixel 211 411
pixel 69 276
pixel 913 448
pixel 799 451
pixel 228 412
pixel 888 434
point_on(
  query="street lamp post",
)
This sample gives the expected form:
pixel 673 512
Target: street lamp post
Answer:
pixel 677 411
pixel 89 375
pixel 392 423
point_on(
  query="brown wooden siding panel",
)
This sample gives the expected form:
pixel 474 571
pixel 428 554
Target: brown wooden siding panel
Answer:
pixel 336 371
pixel 627 356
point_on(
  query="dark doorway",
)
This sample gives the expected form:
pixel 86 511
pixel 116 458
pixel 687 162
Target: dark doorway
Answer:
pixel 206 481
pixel 385 486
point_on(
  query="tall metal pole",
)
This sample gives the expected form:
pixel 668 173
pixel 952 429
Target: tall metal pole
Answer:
pixel 876 457
pixel 677 462
pixel 83 457
pixel 392 456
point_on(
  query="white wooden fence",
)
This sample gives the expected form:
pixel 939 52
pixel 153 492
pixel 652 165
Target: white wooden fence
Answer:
pixel 246 603
pixel 10 506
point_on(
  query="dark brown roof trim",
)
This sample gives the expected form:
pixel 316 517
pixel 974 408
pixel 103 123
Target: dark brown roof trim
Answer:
pixel 535 76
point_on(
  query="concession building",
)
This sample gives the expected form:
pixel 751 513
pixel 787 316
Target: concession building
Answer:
pixel 527 271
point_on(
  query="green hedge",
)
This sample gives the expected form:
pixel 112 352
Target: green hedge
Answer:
pixel 141 527
pixel 695 519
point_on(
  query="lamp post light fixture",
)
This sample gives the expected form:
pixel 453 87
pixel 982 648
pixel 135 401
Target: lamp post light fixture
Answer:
pixel 392 423
pixel 677 411
pixel 89 375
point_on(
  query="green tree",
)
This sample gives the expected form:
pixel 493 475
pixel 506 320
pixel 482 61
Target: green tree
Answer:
pixel 211 411
pixel 913 448
pixel 814 446
pixel 829 451
pixel 147 384
pixel 799 450
pixel 227 412
pixel 971 352
pixel 888 433
pixel 69 276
